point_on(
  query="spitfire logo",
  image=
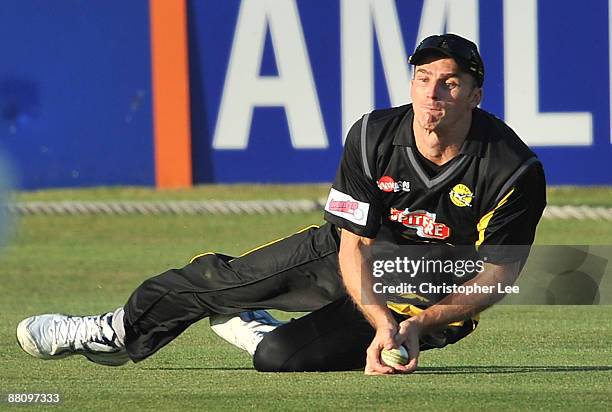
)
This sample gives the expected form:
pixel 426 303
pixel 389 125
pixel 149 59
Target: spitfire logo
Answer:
pixel 387 184
pixel 461 196
pixel 421 220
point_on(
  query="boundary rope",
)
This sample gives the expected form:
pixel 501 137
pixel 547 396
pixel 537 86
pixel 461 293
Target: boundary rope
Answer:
pixel 229 207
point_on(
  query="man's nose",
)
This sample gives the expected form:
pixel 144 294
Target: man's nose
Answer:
pixel 434 89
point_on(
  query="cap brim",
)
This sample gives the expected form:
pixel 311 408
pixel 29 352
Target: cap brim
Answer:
pixel 419 55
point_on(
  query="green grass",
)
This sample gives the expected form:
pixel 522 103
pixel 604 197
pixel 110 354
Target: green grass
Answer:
pixel 590 196
pixel 520 358
pixel 557 195
pixel 203 192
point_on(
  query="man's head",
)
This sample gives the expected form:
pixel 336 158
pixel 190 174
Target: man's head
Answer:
pixel 448 77
pixel 463 51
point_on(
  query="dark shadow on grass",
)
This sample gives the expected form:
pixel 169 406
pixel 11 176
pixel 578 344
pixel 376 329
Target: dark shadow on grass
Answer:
pixel 439 370
pixel 459 370
pixel 193 368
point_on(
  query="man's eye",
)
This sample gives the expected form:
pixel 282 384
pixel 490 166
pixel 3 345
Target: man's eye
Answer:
pixel 451 85
pixel 422 79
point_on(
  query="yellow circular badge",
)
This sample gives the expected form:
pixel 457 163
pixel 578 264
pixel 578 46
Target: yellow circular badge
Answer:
pixel 461 195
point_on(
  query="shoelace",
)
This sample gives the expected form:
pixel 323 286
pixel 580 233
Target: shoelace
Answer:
pixel 76 331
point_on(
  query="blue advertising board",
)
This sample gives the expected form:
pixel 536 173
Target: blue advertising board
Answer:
pixel 275 84
pixel 75 92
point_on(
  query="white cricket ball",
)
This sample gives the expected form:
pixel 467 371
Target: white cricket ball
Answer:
pixel 395 357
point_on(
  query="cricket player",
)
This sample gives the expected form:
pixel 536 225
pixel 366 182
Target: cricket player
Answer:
pixel 438 171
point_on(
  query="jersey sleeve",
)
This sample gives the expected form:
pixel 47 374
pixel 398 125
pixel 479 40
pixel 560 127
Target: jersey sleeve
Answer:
pixel 506 233
pixel 354 202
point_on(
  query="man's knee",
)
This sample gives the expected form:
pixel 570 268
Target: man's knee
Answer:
pixel 284 350
pixel 276 353
pixel 271 354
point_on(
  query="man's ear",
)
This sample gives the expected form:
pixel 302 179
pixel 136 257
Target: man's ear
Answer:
pixel 476 97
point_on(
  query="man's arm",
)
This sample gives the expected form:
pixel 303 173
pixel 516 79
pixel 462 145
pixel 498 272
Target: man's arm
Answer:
pixel 513 221
pixel 455 307
pixel 355 266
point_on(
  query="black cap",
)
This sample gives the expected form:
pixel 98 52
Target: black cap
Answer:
pixel 461 49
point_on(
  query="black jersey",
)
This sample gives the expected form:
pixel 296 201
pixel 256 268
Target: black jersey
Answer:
pixel 492 193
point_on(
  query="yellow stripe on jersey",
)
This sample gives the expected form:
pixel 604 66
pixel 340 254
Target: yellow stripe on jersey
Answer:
pixel 404 309
pixel 258 247
pixel 411 310
pixel 484 221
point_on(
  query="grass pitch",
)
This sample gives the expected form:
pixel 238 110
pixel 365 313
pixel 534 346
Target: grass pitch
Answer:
pixel 520 358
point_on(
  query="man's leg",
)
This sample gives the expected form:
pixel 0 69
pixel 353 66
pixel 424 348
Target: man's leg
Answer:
pixel 298 273
pixel 334 338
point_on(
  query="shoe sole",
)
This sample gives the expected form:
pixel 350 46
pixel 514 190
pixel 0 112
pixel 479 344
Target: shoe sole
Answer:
pixel 114 360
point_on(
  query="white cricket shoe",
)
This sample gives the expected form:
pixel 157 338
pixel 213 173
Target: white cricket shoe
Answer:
pixel 56 336
pixel 244 330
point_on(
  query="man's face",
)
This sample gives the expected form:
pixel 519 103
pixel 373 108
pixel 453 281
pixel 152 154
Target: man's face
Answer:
pixel 442 94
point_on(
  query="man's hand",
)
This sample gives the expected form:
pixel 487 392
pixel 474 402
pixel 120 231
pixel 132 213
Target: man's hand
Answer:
pixel 388 338
pixel 408 335
pixel 384 339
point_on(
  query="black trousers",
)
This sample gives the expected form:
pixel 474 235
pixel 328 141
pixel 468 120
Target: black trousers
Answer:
pixel 297 273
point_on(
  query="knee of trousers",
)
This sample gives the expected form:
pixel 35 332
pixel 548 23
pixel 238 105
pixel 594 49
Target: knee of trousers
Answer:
pixel 274 354
pixel 148 294
pixel 271 355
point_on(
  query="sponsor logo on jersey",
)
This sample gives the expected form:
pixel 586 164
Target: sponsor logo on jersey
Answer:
pixel 344 206
pixel 388 184
pixel 421 220
pixel 461 195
